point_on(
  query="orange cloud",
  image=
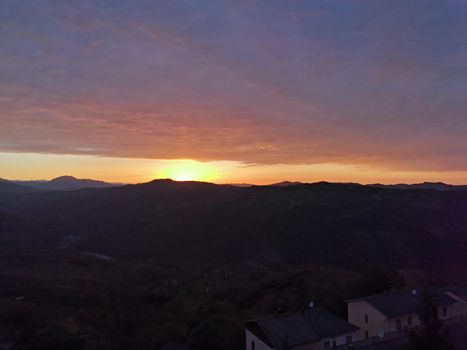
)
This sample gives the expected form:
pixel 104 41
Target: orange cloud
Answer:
pixel 266 83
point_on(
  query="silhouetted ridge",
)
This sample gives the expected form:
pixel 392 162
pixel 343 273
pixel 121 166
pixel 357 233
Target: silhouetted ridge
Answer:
pixel 169 183
pixel 67 178
pixel 438 186
pixel 11 187
pixel 287 183
pixel 66 183
pixel 323 223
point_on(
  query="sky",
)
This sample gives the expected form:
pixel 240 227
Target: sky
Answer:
pixel 234 91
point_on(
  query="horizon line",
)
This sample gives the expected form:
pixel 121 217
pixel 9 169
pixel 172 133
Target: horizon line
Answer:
pixel 244 184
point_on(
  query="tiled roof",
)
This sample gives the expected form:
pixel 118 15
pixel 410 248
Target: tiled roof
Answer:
pixel 404 302
pixel 303 327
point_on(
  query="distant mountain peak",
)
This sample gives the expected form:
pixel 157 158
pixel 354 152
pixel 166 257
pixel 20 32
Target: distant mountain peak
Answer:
pixel 66 183
pixel 64 178
pixel 162 181
pixel 438 186
pixel 171 181
pixel 287 183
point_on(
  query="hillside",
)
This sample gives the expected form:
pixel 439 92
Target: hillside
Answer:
pixel 66 183
pixel 192 261
pixel 10 187
pixel 437 186
pixel 340 225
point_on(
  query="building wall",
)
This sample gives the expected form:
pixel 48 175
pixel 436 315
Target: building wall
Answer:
pixel 452 310
pixel 459 308
pixel 311 346
pixel 404 321
pixel 259 344
pixel 376 320
pixel 340 340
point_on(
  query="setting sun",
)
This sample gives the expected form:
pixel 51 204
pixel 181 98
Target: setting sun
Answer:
pixel 188 170
pixel 184 175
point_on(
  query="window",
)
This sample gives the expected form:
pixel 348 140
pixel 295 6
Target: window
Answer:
pixel 445 312
pixel 399 324
pixel 253 345
pixel 327 344
pixel 348 339
pixel 409 321
pixel 366 334
pixel 366 318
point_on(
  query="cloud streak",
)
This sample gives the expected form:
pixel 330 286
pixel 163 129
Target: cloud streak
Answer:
pixel 267 82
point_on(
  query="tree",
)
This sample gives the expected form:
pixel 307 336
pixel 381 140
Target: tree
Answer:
pixel 431 335
pixel 57 337
pixel 208 336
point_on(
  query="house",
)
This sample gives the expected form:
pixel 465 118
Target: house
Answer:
pixel 381 314
pixel 460 294
pixel 456 330
pixel 310 329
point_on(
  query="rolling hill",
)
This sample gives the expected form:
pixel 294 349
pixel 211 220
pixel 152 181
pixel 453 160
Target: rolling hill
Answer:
pixel 11 187
pixel 139 266
pixel 66 183
pixel 327 224
pixel 437 186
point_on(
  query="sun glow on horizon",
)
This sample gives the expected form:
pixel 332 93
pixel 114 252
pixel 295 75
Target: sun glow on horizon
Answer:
pixel 189 170
pixel 32 166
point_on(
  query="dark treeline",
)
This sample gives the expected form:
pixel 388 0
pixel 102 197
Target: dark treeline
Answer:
pixel 99 305
pixel 143 265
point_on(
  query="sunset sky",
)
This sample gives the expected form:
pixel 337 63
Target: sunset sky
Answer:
pixel 234 91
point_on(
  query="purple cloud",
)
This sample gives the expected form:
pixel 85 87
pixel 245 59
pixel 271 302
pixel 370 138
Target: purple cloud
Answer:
pixel 268 82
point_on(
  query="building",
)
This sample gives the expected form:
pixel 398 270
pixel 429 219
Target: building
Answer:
pixel 377 322
pixel 456 330
pixel 460 294
pixel 309 329
pixel 176 346
pixel 381 314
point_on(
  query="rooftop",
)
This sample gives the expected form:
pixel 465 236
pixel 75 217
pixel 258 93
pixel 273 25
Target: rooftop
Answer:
pixel 459 291
pixel 404 302
pixel 302 327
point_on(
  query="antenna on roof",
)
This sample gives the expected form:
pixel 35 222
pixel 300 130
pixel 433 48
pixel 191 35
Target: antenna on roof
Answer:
pixel 311 305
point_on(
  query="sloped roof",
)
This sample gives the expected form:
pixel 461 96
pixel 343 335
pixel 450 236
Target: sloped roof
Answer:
pixel 404 302
pixel 459 291
pixel 302 327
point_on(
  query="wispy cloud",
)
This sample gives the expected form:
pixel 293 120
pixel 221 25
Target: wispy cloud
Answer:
pixel 268 82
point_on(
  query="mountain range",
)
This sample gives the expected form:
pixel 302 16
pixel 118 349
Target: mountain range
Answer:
pixel 70 183
pixel 63 183
pixel 438 186
pixel 329 224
